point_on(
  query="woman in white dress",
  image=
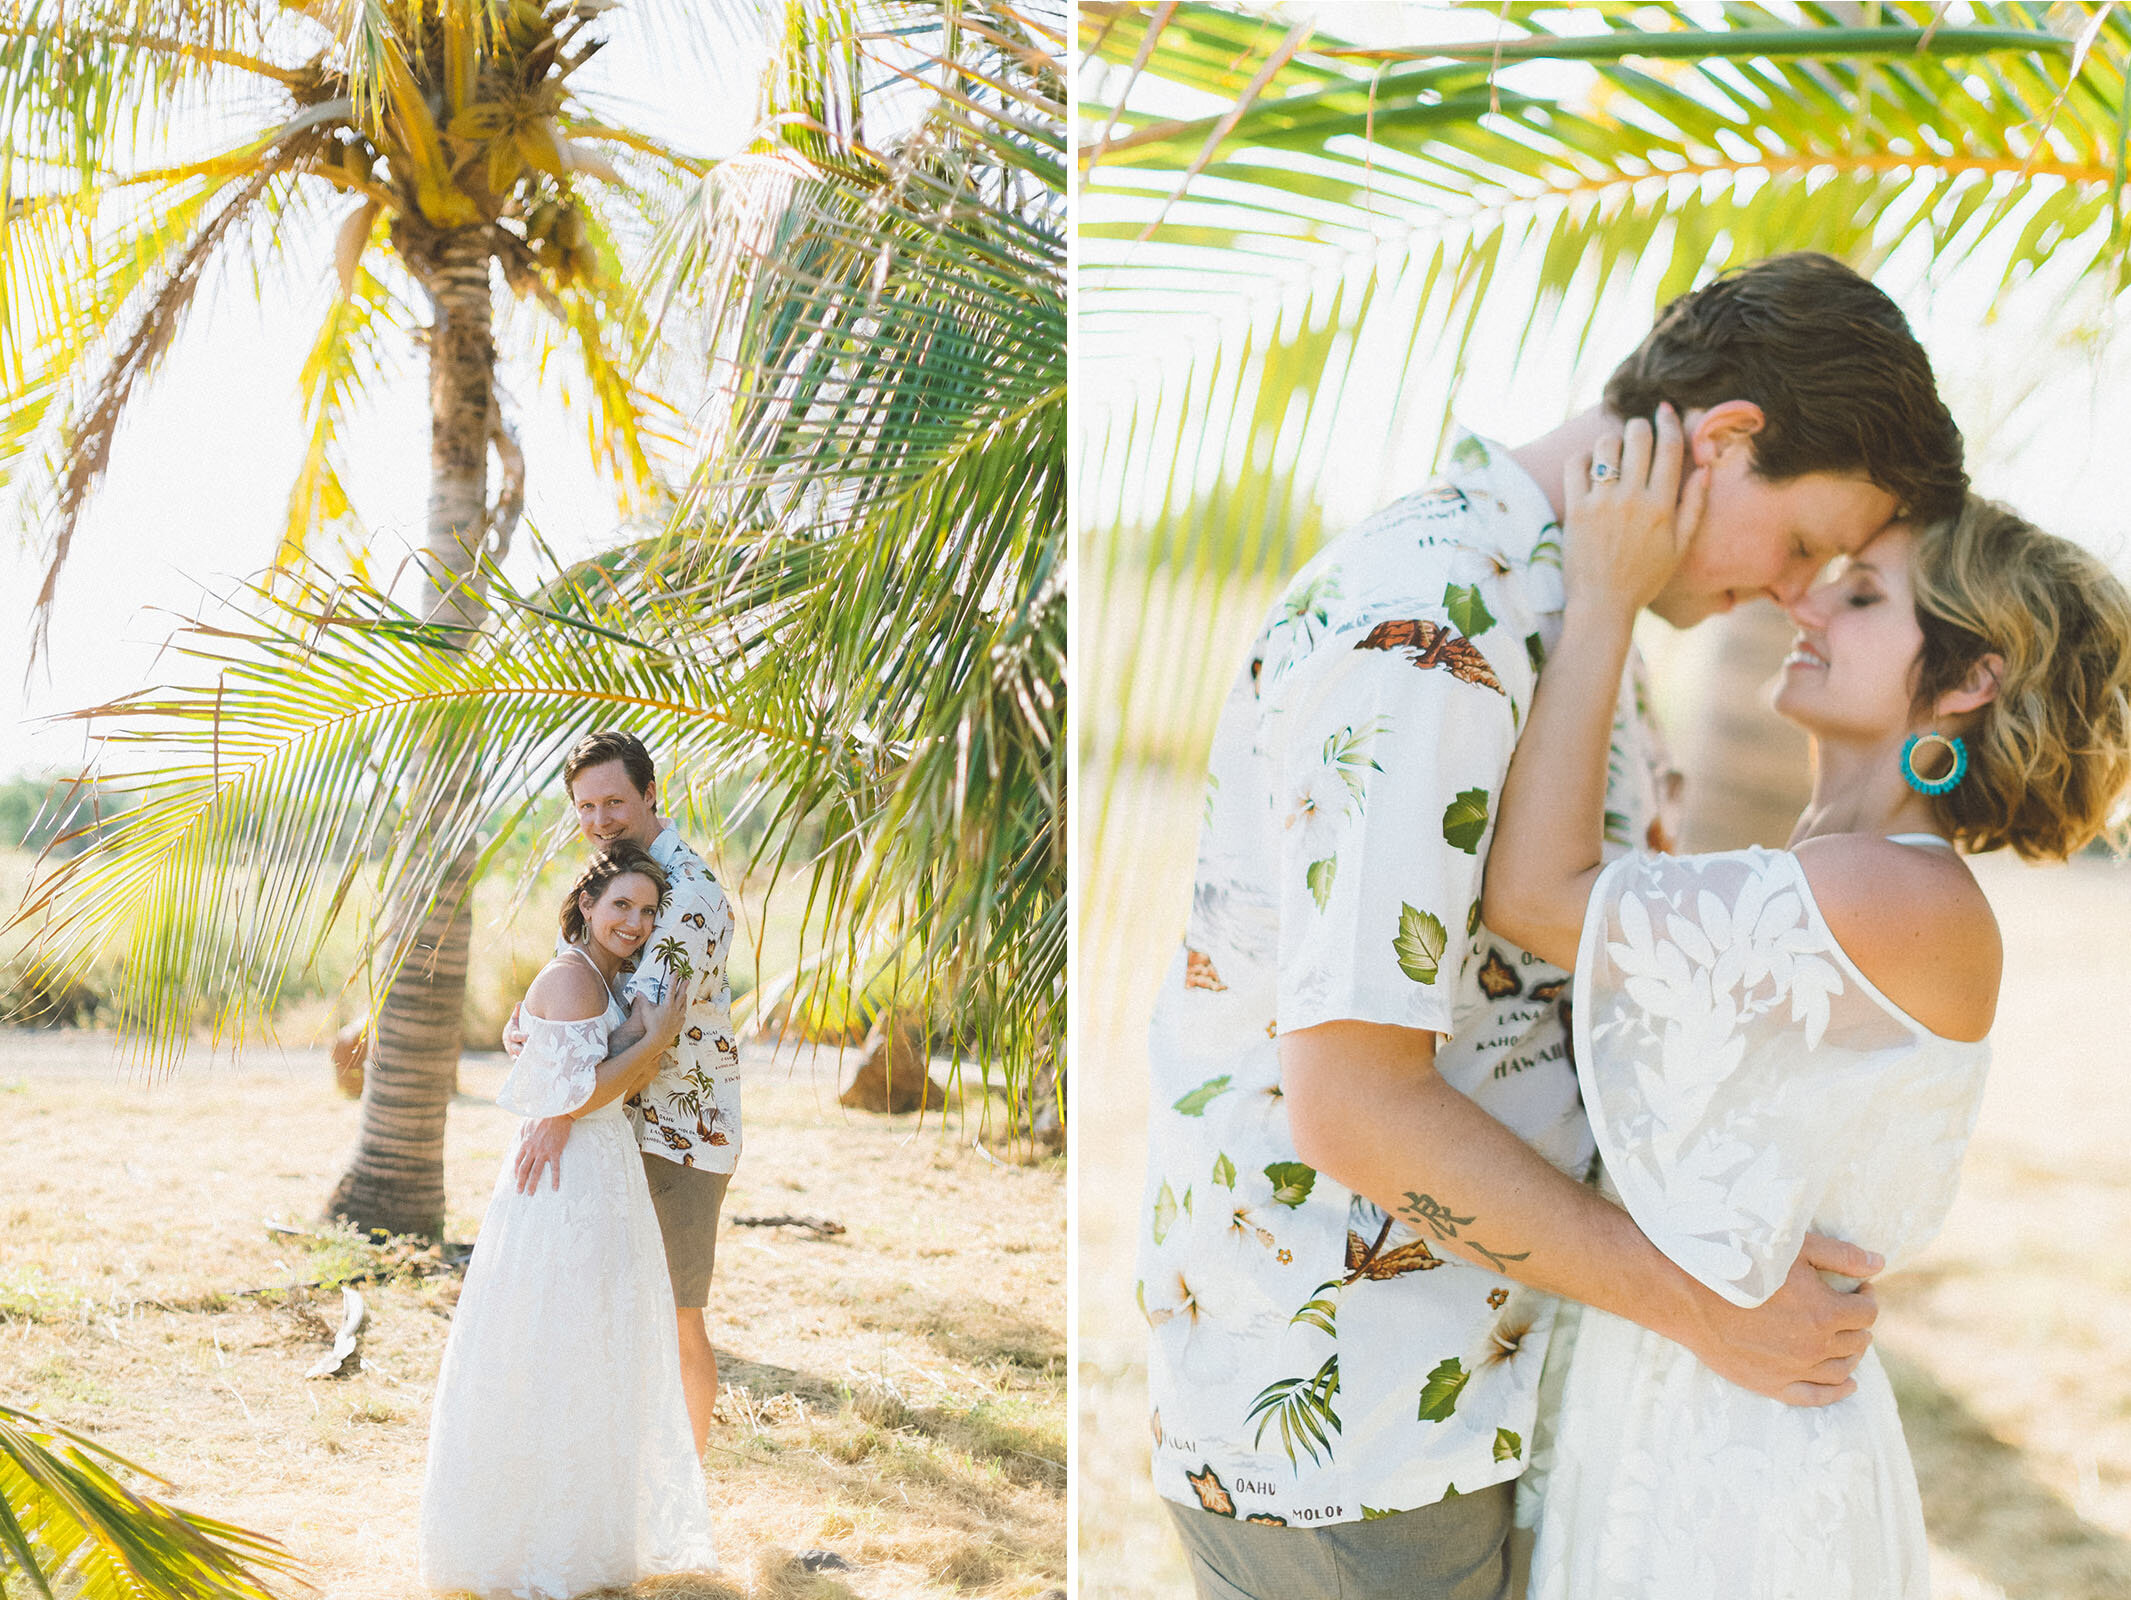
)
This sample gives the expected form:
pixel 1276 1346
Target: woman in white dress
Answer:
pixel 1775 1041
pixel 560 1458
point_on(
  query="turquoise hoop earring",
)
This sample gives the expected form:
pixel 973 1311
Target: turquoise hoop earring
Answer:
pixel 1954 774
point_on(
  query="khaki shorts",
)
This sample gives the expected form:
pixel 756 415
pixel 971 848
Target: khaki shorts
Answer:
pixel 1453 1550
pixel 687 1201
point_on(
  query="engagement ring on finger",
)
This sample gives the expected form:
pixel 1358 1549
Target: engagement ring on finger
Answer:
pixel 1603 472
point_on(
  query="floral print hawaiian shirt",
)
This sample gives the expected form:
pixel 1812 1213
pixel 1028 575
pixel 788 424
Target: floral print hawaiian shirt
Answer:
pixel 1314 1359
pixel 691 1112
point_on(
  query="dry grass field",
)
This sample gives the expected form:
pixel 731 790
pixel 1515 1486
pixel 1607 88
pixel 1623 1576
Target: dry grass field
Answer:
pixel 895 1394
pixel 2010 1343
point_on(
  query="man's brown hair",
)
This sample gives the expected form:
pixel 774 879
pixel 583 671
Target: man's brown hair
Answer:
pixel 1842 384
pixel 610 744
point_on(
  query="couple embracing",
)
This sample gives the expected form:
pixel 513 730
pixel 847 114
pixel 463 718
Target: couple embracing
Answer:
pixel 1515 1186
pixel 577 1387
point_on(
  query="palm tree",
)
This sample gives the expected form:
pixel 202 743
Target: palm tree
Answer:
pixel 1302 220
pixel 857 606
pixel 453 142
pixel 893 469
pixel 67 1520
pixel 457 148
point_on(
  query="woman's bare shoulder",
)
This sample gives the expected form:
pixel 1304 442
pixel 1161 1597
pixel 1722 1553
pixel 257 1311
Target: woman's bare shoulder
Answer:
pixel 1916 922
pixel 566 990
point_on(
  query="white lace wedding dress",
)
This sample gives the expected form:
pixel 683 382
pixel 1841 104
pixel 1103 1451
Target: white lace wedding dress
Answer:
pixel 1746 1083
pixel 560 1458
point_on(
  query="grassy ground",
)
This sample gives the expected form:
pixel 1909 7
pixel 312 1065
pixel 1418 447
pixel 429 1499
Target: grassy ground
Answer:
pixel 896 1393
pixel 2010 1342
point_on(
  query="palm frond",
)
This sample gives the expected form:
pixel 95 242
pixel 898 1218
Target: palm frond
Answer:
pixel 81 81
pixel 67 276
pixel 273 778
pixel 352 353
pixel 70 1525
pixel 90 430
pixel 271 781
pixel 891 329
pixel 630 425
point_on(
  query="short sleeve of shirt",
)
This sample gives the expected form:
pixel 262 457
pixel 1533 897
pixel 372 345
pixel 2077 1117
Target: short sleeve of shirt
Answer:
pixel 1390 757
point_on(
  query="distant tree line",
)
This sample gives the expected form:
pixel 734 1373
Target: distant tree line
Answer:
pixel 36 810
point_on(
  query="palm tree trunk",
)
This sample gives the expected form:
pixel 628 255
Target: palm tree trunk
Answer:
pixel 396 1180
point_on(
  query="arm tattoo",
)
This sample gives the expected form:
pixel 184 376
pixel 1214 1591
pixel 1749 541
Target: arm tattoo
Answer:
pixel 1493 1259
pixel 1428 1210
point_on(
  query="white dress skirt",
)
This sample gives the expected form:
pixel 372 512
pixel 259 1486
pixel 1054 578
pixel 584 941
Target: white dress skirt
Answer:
pixel 560 1454
pixel 1746 1083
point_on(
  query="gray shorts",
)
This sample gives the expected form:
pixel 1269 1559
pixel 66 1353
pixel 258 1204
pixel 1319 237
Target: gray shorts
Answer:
pixel 1456 1549
pixel 687 1201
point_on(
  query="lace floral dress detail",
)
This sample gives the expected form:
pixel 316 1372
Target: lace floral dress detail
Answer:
pixel 1746 1084
pixel 560 1458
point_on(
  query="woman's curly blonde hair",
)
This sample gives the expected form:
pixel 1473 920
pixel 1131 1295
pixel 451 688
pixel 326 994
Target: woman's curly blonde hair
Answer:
pixel 2050 757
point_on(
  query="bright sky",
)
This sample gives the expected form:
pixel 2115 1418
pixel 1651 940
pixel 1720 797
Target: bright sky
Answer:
pixel 200 476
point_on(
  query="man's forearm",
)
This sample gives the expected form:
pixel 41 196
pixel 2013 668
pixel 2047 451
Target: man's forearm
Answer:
pixel 618 1071
pixel 1430 1156
pixel 1366 1107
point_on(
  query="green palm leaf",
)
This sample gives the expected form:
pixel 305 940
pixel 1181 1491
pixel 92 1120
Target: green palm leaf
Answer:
pixel 71 1526
pixel 270 786
pixel 894 471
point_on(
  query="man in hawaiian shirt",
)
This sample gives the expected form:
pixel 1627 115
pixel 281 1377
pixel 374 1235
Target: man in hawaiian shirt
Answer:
pixel 1366 1147
pixel 688 1121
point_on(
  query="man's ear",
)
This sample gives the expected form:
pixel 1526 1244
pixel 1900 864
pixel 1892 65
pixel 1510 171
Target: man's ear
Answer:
pixel 1976 690
pixel 1727 425
pixel 651 794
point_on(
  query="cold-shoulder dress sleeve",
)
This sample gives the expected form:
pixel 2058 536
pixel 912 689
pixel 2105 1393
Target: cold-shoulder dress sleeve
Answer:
pixel 558 1069
pixel 1746 1083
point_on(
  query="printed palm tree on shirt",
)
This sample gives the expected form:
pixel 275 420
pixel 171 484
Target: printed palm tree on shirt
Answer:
pixel 670 953
pixel 1303 1410
pixel 1303 606
pixel 1301 1407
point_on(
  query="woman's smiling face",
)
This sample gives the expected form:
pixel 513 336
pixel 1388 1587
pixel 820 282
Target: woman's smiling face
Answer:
pixel 1851 673
pixel 621 919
